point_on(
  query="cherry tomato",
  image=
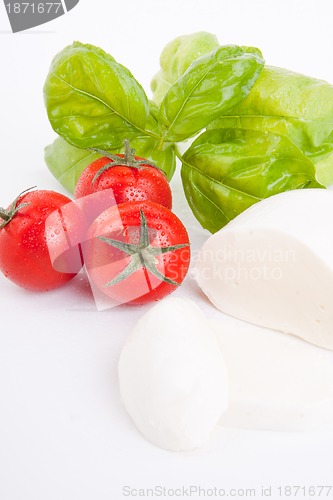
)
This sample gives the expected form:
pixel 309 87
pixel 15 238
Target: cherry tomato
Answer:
pixel 136 252
pixel 131 178
pixel 35 236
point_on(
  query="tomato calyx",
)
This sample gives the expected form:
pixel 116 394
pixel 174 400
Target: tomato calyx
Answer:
pixel 128 160
pixel 142 255
pixel 7 214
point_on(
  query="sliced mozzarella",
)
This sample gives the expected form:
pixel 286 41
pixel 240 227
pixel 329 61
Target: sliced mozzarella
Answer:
pixel 172 376
pixel 276 381
pixel 273 265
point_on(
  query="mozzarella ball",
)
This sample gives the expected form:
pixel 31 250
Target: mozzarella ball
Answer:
pixel 273 265
pixel 172 376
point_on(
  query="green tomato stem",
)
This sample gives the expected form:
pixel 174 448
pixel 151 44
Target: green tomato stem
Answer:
pixel 142 255
pixel 7 215
pixel 129 153
pixel 128 160
pixel 4 214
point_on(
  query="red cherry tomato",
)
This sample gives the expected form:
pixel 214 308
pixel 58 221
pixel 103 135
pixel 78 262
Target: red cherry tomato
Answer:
pixel 131 178
pixel 35 240
pixel 136 252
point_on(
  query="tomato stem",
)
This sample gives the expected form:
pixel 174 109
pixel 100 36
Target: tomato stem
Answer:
pixel 4 214
pixel 128 160
pixel 129 153
pixel 7 215
pixel 142 255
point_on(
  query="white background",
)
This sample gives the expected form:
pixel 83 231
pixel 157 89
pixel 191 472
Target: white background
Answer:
pixel 63 432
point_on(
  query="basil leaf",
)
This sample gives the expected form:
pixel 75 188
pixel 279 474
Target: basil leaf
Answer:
pixel 177 56
pixel 93 101
pixel 293 105
pixel 226 171
pixel 67 162
pixel 213 84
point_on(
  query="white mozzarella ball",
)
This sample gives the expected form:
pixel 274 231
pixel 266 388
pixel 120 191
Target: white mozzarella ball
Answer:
pixel 273 265
pixel 172 376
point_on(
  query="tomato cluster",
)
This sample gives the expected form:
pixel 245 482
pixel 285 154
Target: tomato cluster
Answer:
pixel 135 249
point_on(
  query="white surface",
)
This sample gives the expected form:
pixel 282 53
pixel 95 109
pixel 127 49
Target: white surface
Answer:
pixel 173 381
pixel 257 268
pixel 63 432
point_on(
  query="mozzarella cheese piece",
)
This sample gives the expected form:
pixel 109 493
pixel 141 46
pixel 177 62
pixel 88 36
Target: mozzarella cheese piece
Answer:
pixel 172 376
pixel 273 265
pixel 276 381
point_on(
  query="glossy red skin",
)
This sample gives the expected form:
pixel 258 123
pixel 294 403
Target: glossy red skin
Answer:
pixel 24 253
pixel 128 183
pixel 104 262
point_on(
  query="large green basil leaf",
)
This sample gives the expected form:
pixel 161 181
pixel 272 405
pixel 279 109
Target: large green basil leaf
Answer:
pixel 66 162
pixel 294 105
pixel 177 56
pixel 226 171
pixel 212 84
pixel 93 101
